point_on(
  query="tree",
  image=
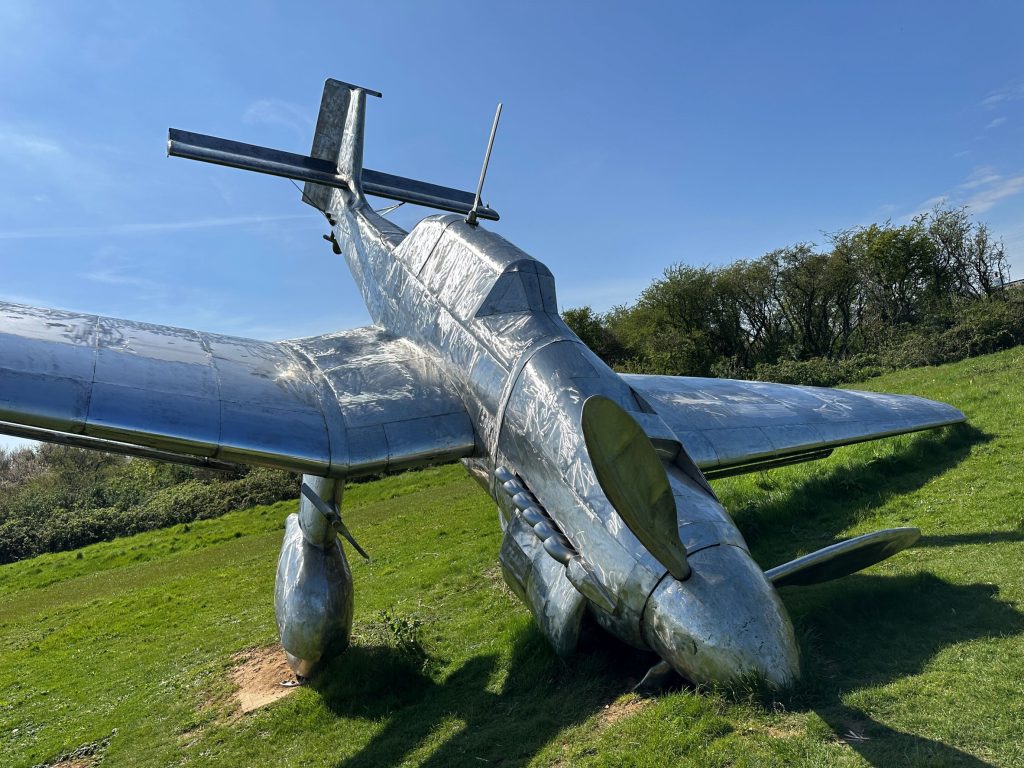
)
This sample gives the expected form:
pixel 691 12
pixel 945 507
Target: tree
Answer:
pixel 593 330
pixel 974 261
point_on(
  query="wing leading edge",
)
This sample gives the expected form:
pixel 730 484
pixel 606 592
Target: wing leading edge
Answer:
pixel 343 404
pixel 732 427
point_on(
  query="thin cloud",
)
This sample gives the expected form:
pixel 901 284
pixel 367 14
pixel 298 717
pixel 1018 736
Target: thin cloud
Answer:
pixel 981 191
pixel 981 176
pixel 112 266
pixel 283 113
pixel 144 228
pixel 116 276
pixel 928 205
pixel 20 298
pixel 1000 96
pixel 995 123
pixel 206 310
pixel 987 197
pixel 64 169
pixel 15 145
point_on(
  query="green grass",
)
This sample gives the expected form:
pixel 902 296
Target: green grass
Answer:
pixel 918 661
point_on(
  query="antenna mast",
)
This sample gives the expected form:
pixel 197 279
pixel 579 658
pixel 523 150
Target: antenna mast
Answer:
pixel 471 218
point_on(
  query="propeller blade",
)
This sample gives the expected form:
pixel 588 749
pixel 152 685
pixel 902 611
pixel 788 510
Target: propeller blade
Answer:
pixel 843 558
pixel 634 480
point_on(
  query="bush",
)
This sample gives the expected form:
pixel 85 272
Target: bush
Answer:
pixel 880 297
pixel 195 500
pixel 56 499
pixel 820 371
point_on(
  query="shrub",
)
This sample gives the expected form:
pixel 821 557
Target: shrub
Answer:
pixel 820 371
pixel 73 501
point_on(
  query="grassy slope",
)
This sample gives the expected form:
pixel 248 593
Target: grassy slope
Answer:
pixel 922 655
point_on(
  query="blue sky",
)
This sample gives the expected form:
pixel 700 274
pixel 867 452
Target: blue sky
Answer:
pixel 634 136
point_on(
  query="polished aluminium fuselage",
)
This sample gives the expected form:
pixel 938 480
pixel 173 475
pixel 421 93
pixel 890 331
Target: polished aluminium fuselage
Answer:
pixel 486 312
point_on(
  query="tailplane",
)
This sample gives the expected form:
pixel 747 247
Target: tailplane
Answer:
pixel 335 161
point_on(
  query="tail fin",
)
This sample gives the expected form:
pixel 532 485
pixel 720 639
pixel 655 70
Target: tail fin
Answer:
pixel 336 160
pixel 339 139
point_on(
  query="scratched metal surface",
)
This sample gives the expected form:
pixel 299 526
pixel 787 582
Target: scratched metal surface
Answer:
pixel 541 583
pixel 313 599
pixel 487 313
pixel 726 423
pixel 342 404
pixel 725 618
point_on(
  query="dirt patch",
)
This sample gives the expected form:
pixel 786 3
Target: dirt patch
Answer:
pixel 86 756
pixel 779 730
pixel 620 709
pixel 784 731
pixel 259 675
pixel 495 576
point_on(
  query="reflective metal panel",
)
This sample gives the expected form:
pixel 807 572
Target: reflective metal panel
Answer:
pixel 312 599
pixel 342 404
pixel 46 363
pixel 542 583
pixel 843 558
pixel 725 423
pixel 726 620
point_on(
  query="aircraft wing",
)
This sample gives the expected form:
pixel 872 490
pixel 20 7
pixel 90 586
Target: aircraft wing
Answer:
pixel 731 427
pixel 343 404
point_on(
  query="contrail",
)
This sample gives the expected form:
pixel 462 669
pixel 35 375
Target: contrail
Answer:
pixel 142 228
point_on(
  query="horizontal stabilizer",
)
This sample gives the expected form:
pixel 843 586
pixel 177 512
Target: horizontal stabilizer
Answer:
pixel 843 558
pixel 290 165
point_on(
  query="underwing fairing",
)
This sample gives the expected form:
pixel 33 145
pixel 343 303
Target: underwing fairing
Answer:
pixel 600 478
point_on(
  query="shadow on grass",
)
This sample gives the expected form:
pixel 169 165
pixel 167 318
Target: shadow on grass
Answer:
pixel 859 632
pixel 868 631
pixel 980 537
pixel 474 720
pixel 814 512
pixel 864 631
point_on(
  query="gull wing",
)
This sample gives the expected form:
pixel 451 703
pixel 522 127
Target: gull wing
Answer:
pixel 348 403
pixel 731 427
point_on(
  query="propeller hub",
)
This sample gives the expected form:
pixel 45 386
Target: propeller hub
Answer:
pixel 725 621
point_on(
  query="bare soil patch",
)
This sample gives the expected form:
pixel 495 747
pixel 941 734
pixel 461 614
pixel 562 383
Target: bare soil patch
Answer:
pixel 786 729
pixel 627 706
pixel 259 675
pixel 494 575
pixel 85 756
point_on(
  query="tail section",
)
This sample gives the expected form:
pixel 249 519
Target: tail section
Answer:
pixel 335 161
pixel 339 140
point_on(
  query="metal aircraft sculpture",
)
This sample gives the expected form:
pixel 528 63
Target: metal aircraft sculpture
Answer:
pixel 600 478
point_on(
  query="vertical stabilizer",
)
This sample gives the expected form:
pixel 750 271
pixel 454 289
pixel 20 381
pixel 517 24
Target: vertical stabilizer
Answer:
pixel 339 140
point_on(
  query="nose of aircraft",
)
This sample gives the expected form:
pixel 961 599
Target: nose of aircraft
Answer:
pixel 723 622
